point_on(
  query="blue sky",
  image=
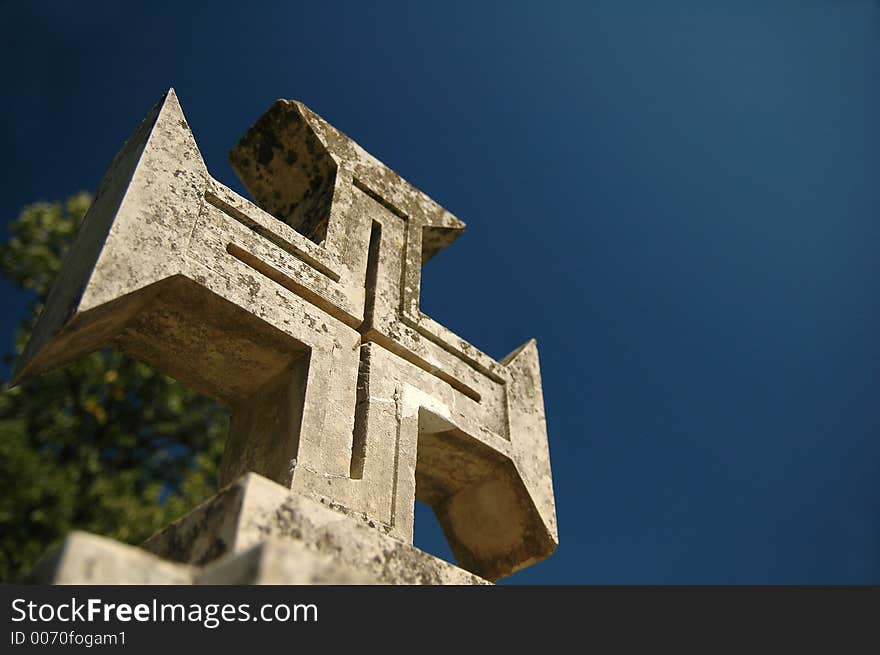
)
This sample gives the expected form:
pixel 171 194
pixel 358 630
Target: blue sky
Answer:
pixel 678 199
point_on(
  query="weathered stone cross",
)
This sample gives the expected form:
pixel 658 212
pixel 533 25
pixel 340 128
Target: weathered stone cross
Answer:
pixel 302 315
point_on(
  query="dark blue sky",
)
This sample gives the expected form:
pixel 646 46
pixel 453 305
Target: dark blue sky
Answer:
pixel 678 199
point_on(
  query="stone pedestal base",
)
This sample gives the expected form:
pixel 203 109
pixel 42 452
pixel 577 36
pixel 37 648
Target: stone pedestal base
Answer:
pixel 252 532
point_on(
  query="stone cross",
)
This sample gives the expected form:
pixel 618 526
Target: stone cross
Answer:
pixel 302 315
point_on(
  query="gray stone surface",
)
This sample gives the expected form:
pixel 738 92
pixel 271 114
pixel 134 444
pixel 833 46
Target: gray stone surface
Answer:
pixel 253 532
pixel 84 558
pixel 253 510
pixel 281 563
pixel 302 315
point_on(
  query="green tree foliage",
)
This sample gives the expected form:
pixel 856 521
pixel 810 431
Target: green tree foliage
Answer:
pixel 105 444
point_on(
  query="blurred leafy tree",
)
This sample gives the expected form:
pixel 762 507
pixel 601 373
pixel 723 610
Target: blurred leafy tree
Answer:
pixel 105 444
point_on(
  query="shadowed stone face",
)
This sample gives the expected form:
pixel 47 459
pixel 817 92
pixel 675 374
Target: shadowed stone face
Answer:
pixel 302 315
